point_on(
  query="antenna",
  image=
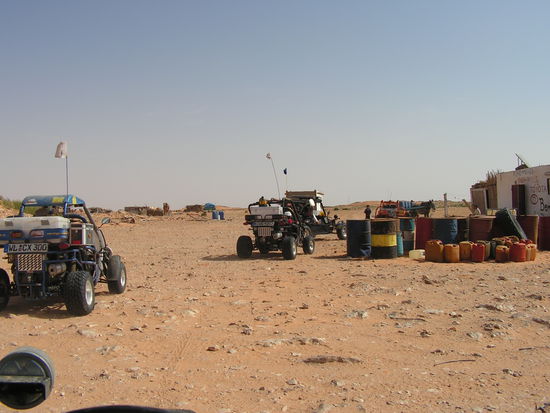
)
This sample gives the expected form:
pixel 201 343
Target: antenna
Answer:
pixel 521 161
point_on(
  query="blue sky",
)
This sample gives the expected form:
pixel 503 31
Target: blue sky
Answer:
pixel 179 101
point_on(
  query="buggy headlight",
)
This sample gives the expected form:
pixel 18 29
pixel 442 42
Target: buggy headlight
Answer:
pixel 37 233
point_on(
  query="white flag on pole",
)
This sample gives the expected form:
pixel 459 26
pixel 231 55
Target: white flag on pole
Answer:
pixel 61 151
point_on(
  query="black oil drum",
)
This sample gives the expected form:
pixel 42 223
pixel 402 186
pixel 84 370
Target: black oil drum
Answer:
pixel 359 238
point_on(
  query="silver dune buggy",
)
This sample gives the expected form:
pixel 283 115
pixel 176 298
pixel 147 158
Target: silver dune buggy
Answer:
pixel 57 252
pixel 276 225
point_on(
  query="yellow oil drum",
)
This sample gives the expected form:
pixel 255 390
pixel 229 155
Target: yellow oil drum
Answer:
pixel 451 253
pixel 434 250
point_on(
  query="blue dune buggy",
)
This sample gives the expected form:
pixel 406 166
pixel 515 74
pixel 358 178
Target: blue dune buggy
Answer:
pixel 58 251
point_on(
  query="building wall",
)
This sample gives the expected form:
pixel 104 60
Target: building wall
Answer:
pixel 537 183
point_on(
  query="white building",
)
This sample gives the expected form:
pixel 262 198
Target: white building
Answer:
pixel 527 190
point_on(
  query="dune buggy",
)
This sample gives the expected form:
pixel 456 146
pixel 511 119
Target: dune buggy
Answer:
pixel 313 213
pixel 59 251
pixel 276 225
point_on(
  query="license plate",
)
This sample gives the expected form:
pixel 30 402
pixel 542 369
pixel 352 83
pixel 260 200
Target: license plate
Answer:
pixel 263 224
pixel 26 248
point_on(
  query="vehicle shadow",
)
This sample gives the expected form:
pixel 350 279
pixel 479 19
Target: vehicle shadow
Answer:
pixel 49 308
pixel 235 257
pixel 339 258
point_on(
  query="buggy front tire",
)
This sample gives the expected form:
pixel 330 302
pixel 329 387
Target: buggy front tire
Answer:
pixel 116 275
pixel 308 245
pixel 4 289
pixel 79 293
pixel 289 248
pixel 244 246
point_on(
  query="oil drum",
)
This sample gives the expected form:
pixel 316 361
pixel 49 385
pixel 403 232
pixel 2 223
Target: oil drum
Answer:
pixel 407 227
pixel 480 227
pixel 544 234
pixel 358 241
pixel 446 230
pixel 384 237
pixel 424 229
pixel 530 225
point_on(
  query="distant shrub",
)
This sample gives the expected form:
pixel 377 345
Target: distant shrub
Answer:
pixel 6 203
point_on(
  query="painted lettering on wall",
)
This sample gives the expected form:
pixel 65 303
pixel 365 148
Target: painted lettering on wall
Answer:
pixel 544 207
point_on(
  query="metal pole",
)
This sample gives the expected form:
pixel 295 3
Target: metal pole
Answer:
pixel 446 206
pixel 275 173
pixel 67 173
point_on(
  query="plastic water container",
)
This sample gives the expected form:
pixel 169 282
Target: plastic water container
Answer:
pixel 434 250
pixel 451 253
pixel 417 254
pixel 465 250
pixel 221 214
pixel 215 215
pixel 502 253
pixel 518 252
pixel 478 252
pixel 531 252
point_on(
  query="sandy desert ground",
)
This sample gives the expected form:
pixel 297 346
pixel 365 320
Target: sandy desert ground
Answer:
pixel 200 329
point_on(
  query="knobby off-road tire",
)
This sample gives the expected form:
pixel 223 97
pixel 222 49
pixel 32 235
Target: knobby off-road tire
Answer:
pixel 341 232
pixel 308 245
pixel 116 275
pixel 4 289
pixel 289 248
pixel 79 293
pixel 244 246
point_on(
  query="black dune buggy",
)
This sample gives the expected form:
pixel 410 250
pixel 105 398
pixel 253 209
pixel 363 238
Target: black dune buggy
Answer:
pixel 57 252
pixel 313 213
pixel 276 225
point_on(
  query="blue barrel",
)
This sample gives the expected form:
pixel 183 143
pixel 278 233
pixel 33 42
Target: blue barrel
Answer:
pixel 446 230
pixel 406 224
pixel 221 214
pixel 463 229
pixel 215 215
pixel 408 241
pixel 358 241
pixel 400 250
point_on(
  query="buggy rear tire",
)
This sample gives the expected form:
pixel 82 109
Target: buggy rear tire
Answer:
pixel 289 248
pixel 244 246
pixel 116 275
pixel 341 232
pixel 308 245
pixel 79 293
pixel 4 289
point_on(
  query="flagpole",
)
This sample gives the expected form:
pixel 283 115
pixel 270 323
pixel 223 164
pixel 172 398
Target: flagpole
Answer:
pixel 61 152
pixel 268 156
pixel 67 173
